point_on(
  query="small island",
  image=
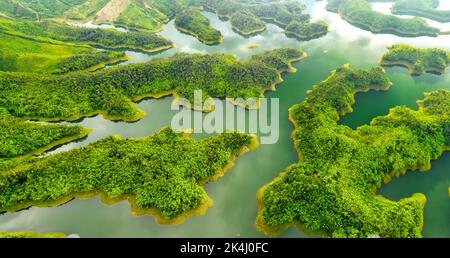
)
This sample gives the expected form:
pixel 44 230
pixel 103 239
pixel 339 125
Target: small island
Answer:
pixel 332 190
pixel 161 175
pixel 417 60
pixel 111 91
pixel 18 137
pixel 192 22
pixel 360 14
pixel 245 23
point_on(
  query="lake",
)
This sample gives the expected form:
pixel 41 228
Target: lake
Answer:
pixel 234 195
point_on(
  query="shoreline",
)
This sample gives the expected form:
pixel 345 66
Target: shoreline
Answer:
pixel 250 33
pixel 200 210
pixel 388 30
pixel 195 35
pixel 83 134
pixel 410 67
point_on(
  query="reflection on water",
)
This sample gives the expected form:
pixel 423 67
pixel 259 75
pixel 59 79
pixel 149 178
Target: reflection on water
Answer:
pixel 235 207
pixel 385 8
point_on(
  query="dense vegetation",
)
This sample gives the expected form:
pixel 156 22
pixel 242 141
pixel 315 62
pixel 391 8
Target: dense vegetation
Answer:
pixel 247 23
pixel 90 61
pixel 18 137
pixel 86 11
pixel 360 14
pixel 304 30
pixel 422 8
pixel 332 190
pixel 150 16
pixel 37 9
pixel 418 61
pixel 110 91
pixel 18 54
pixel 191 21
pixel 31 235
pixel 248 17
pixel 105 38
pixel 162 174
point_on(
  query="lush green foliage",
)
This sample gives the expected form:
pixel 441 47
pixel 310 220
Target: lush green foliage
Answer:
pixel 85 11
pixel 27 55
pixel 37 9
pixel 109 90
pixel 422 8
pixel 164 172
pixel 151 15
pixel 191 21
pixel 88 60
pixel 418 61
pixel 248 17
pixel 30 235
pixel 18 137
pixel 360 13
pixel 305 30
pixel 105 38
pixel 332 190
pixel 246 23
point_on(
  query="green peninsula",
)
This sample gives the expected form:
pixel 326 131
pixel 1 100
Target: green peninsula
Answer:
pixel 421 8
pixel 18 137
pixel 111 91
pixel 18 54
pixel 46 31
pixel 360 14
pixel 159 175
pixel 192 22
pixel 332 190
pixel 417 60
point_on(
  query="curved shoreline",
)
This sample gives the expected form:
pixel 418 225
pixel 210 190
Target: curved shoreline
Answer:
pixel 249 33
pixel 421 13
pixel 387 30
pixel 195 35
pixel 206 203
pixel 83 134
pixel 106 63
pixel 306 37
pixel 410 67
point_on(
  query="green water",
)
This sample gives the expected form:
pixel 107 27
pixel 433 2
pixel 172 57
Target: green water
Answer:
pixel 234 195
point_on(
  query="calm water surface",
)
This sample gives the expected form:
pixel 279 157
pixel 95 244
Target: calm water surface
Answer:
pixel 235 207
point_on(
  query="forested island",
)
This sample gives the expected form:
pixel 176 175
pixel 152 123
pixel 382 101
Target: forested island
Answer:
pixel 250 17
pixel 31 235
pixel 110 92
pixel 332 190
pixel 159 175
pixel 421 8
pixel 18 137
pixel 360 14
pixel 192 22
pixel 417 60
